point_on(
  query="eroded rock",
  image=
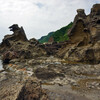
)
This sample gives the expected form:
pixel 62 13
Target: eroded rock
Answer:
pixel 9 55
pixel 84 36
pixel 33 93
pixel 16 87
pixel 19 44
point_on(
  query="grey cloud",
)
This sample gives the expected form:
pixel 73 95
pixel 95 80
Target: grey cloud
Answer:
pixel 39 17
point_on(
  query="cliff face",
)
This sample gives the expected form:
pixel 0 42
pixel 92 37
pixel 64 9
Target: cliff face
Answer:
pixel 18 46
pixel 86 28
pixel 84 37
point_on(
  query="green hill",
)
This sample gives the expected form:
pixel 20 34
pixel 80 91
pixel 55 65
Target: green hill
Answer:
pixel 44 39
pixel 58 36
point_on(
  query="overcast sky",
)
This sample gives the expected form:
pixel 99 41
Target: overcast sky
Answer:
pixel 39 17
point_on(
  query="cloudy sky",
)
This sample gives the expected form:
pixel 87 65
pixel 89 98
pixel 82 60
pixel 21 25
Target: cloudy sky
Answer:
pixel 39 17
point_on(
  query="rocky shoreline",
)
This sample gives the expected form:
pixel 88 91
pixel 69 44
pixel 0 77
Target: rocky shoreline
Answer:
pixel 71 72
pixel 76 79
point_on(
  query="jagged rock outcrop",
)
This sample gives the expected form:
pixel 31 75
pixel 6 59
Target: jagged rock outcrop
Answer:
pixel 84 37
pixel 15 87
pixel 18 43
pixel 79 32
pixel 18 34
pixel 86 28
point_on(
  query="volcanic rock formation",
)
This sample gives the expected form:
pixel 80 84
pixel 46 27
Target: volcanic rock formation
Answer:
pixel 20 45
pixel 84 37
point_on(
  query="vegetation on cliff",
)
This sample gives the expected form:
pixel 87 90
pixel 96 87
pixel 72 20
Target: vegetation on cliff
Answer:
pixel 58 36
pixel 44 39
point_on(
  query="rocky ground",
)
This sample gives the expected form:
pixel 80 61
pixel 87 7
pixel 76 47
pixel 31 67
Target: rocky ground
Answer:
pixel 59 79
pixel 18 87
